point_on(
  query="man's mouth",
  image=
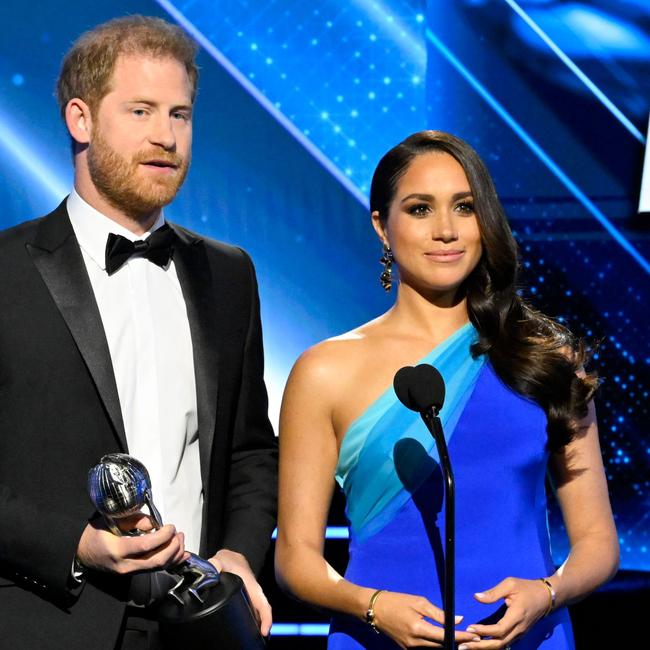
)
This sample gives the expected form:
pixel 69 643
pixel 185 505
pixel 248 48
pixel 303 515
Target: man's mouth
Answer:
pixel 160 163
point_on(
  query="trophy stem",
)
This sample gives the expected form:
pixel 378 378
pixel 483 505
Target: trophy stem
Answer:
pixel 112 526
pixel 155 514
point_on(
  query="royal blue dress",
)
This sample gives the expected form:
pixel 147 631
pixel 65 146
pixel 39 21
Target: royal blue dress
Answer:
pixel 388 469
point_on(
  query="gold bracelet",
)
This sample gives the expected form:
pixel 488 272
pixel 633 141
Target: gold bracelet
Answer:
pixel 370 612
pixel 551 596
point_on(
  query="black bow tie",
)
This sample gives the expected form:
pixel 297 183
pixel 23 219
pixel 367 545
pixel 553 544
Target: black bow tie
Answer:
pixel 157 248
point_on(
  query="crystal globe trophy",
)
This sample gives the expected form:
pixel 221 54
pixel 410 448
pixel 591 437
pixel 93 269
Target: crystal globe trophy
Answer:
pixel 204 608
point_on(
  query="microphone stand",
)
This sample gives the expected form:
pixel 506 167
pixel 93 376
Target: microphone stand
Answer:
pixel 432 422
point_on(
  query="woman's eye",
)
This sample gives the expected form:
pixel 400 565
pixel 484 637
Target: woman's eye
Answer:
pixel 418 209
pixel 465 206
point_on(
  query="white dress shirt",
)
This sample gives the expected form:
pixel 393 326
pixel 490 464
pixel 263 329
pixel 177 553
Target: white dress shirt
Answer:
pixel 145 321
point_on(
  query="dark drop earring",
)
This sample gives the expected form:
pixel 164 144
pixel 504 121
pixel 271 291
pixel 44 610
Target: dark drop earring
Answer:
pixel 386 277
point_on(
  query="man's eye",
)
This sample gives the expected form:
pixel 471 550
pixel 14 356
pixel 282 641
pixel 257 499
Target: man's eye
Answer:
pixel 138 112
pixel 181 116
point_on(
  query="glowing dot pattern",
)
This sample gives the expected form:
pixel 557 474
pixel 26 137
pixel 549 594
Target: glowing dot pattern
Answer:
pixel 342 71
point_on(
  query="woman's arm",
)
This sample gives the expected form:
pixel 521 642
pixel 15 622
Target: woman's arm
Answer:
pixel 308 457
pixel 581 489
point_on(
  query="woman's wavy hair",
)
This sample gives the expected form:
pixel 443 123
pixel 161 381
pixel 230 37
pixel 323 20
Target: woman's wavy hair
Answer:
pixel 531 353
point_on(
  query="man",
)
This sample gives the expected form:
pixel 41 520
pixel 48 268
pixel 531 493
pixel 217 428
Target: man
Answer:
pixel 151 348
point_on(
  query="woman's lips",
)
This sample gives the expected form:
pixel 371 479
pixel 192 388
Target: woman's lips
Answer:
pixel 445 256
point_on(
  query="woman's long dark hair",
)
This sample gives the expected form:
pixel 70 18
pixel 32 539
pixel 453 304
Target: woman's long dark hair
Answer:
pixel 531 353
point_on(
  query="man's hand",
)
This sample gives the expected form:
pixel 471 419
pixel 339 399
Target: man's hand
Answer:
pixel 102 550
pixel 232 562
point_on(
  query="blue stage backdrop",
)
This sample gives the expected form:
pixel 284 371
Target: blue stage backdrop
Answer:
pixel 298 101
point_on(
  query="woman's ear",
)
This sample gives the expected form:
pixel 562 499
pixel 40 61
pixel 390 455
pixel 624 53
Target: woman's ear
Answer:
pixel 378 225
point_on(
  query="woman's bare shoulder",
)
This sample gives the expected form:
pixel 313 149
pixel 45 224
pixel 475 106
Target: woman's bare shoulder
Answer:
pixel 337 357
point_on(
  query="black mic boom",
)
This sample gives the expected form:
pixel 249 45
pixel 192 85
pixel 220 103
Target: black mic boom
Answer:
pixel 420 388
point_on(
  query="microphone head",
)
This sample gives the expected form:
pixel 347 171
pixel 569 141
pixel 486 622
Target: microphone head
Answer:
pixel 420 387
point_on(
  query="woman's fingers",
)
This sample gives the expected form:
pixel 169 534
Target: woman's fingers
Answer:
pixel 500 635
pixel 497 592
pixel 428 609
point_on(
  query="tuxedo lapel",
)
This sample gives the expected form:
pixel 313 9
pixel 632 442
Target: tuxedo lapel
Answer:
pixel 196 282
pixel 57 256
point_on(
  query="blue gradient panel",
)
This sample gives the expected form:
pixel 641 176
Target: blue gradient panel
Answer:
pixel 598 46
pixel 349 75
pixel 297 103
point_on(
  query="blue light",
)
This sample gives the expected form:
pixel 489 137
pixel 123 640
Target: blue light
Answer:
pixel 331 532
pixel 539 152
pixel 22 153
pixel 220 58
pixel 600 95
pixel 300 629
pixel 397 31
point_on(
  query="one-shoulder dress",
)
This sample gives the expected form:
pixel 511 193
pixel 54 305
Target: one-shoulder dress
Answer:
pixel 388 469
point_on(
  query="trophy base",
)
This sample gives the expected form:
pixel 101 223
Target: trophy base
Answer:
pixel 224 620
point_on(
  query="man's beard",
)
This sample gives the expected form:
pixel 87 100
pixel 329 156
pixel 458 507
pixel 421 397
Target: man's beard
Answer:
pixel 122 183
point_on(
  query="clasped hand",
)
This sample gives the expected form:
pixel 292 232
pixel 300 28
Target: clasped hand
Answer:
pixel 402 617
pixel 526 602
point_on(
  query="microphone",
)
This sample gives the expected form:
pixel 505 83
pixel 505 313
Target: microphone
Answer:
pixel 422 389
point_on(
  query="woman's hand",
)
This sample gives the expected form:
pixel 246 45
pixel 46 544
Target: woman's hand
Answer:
pixel 527 601
pixel 401 617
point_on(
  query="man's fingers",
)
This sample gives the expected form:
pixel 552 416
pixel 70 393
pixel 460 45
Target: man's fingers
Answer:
pixel 265 614
pixel 134 547
pixel 152 551
pixel 139 522
pixel 181 555
pixel 259 601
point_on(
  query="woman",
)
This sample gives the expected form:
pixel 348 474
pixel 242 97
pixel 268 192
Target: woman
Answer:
pixel 518 401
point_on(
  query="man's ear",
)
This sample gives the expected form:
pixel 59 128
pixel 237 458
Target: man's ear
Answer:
pixel 78 120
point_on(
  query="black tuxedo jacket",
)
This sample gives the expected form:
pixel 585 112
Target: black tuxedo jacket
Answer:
pixel 60 412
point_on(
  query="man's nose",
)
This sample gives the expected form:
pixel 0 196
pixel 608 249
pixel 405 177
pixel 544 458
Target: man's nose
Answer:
pixel 162 134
